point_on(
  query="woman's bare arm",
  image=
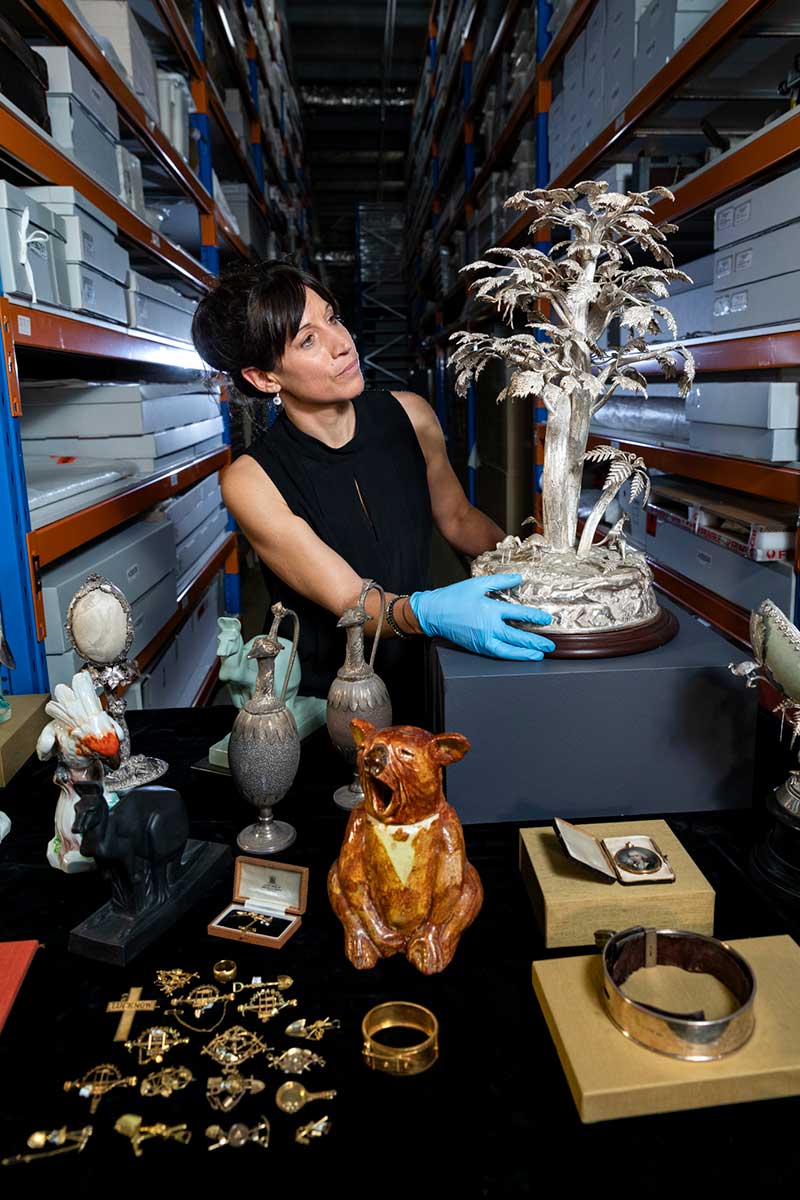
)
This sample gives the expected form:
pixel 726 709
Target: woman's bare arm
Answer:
pixel 290 548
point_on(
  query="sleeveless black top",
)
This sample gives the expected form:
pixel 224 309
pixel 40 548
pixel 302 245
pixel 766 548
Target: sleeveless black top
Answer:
pixel 386 538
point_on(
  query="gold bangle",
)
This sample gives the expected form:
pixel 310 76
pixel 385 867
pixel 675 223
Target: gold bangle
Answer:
pixel 400 1060
pixel 225 970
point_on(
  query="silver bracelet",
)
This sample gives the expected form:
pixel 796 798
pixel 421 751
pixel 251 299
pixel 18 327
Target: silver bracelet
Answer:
pixel 390 621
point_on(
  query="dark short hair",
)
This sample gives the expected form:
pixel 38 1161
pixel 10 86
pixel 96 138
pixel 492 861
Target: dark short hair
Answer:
pixel 251 315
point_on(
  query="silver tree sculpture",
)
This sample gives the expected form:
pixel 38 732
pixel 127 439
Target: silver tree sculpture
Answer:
pixel 566 300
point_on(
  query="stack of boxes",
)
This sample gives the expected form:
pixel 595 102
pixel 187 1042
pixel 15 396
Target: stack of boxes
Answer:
pixel 691 303
pixel 757 259
pixel 153 426
pixel 26 222
pixel 661 27
pixel 83 116
pixel 756 420
pixel 115 21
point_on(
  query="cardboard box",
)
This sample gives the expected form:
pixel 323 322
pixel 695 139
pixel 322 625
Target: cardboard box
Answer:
pixel 85 290
pixel 756 403
pixel 192 547
pixel 761 257
pixel 737 579
pixel 159 309
pixel 272 889
pixel 189 510
pixel 77 392
pixel 570 903
pixel 131 185
pixel 80 137
pixel 115 20
pixel 586 764
pixel 766 207
pixel 97 420
pixel 44 243
pixel 135 559
pixel 140 446
pixel 619 55
pixel 766 302
pixel 611 1077
pixel 90 234
pixel 662 27
pixel 770 445
pixel 20 733
pixel 206 555
pixel 150 614
pixel 69 77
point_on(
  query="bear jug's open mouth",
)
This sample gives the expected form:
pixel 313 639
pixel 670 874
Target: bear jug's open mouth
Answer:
pixel 381 796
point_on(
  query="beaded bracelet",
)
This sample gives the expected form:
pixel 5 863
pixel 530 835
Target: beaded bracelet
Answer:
pixel 391 622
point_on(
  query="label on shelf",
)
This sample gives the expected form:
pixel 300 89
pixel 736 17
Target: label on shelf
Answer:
pixel 24 325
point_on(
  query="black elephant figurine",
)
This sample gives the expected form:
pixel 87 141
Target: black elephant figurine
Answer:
pixel 138 843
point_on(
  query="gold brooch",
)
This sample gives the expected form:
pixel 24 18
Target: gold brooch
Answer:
pixel 239 1135
pixel 295 1061
pixel 233 1047
pixel 224 1092
pixel 59 1141
pixel 311 1032
pixel 166 1081
pixel 155 1042
pixel 130 1125
pixel 97 1082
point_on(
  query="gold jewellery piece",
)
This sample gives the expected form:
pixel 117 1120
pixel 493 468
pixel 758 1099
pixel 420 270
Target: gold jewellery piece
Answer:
pixel 130 1004
pixel 266 1004
pixel 314 1129
pixel 166 1081
pixel 200 1000
pixel 281 983
pixel 97 1082
pixel 155 1042
pixel 680 1035
pixel 254 919
pixel 174 979
pixel 130 1125
pixel 233 1047
pixel 224 1092
pixel 224 971
pixel 49 1144
pixel 311 1031
pixel 295 1061
pixel 400 1060
pixel 292 1096
pixel 239 1135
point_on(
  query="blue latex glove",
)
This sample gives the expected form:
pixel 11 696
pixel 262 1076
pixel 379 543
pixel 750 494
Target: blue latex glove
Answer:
pixel 464 614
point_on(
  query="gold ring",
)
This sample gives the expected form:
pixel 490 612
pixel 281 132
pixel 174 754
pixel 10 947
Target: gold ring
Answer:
pixel 400 1060
pixel 225 970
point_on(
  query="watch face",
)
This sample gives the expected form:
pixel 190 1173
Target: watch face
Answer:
pixel 638 859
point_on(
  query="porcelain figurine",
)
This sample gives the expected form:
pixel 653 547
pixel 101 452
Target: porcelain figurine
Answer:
pixel 402 883
pixel 99 625
pixel 356 692
pixel 236 666
pixel 83 739
pixel 264 747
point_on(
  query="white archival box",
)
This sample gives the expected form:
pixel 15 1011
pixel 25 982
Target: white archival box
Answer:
pixel 42 252
pixel 127 419
pixel 85 290
pixel 764 405
pixel 67 76
pixel 762 257
pixel 766 302
pixel 136 447
pixel 192 547
pixel 766 207
pixel 745 441
pixel 159 309
pixel 84 140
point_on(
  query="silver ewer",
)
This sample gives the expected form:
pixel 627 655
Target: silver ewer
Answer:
pixel 264 748
pixel 357 692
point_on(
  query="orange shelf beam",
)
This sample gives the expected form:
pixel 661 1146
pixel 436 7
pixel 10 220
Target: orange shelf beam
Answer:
pixel 34 150
pixel 47 330
pixel 67 27
pixel 751 352
pixel 729 618
pixel 186 601
pixel 53 541
pixel 756 478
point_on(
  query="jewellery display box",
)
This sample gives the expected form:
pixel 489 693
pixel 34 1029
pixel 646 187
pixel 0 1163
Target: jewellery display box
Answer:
pixel 624 858
pixel 273 890
pixel 571 903
pixel 611 1077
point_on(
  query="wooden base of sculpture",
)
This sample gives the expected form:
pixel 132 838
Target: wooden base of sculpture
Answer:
pixel 610 643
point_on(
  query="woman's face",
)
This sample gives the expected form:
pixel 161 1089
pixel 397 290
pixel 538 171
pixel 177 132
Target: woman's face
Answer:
pixel 320 363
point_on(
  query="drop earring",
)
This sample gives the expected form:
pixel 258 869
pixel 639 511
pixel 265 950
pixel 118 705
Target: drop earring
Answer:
pixel 276 399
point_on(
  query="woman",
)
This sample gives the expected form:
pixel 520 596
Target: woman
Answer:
pixel 347 485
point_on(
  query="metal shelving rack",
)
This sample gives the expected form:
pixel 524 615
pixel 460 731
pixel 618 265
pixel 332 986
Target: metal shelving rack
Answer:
pixel 72 338
pixel 763 154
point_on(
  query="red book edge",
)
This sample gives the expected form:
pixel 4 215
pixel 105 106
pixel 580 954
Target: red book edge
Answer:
pixel 15 958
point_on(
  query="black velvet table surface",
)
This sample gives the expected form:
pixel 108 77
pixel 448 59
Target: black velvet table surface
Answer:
pixel 493 1117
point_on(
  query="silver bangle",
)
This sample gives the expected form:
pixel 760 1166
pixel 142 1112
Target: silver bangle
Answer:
pixel 390 621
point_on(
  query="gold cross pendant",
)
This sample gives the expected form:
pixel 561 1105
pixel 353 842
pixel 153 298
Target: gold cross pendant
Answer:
pixel 128 1007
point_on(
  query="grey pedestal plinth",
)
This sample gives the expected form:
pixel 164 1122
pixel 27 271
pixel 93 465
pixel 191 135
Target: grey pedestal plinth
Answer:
pixel 670 730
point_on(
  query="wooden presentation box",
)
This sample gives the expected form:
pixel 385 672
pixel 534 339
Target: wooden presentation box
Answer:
pixel 570 902
pixel 268 889
pixel 20 733
pixel 611 1077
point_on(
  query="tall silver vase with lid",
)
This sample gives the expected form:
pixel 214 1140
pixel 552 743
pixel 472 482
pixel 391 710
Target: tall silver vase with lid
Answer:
pixel 357 692
pixel 264 748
